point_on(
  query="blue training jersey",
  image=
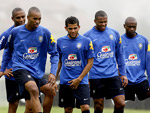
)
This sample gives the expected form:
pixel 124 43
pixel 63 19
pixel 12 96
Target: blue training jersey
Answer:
pixel 74 54
pixel 30 50
pixel 108 53
pixel 136 50
pixel 3 40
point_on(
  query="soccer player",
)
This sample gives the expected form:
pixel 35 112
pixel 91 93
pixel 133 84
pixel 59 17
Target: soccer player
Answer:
pixel 137 50
pixel 29 44
pixel 75 61
pixel 103 76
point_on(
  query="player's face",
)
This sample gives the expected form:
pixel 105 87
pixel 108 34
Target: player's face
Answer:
pixel 101 23
pixel 72 30
pixel 130 28
pixel 34 20
pixel 19 18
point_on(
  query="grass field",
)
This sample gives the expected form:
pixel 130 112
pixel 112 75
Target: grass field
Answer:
pixel 61 110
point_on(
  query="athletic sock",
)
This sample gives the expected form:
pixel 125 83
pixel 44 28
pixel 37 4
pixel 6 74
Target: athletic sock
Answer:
pixel 87 111
pixel 118 111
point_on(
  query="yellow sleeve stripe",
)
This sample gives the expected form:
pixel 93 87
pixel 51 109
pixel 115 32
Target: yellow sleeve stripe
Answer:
pixel 120 41
pixel 52 39
pixel 148 48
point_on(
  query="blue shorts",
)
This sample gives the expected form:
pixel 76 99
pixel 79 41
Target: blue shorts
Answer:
pixel 12 90
pixel 140 90
pixel 22 76
pixel 106 87
pixel 74 98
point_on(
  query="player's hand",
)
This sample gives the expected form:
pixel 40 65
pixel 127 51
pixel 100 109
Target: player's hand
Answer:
pixel 8 72
pixel 51 79
pixel 124 81
pixel 1 74
pixel 54 89
pixel 74 83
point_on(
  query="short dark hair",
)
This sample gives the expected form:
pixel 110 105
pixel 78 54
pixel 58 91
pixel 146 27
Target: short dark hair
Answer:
pixel 33 9
pixel 71 20
pixel 15 10
pixel 100 13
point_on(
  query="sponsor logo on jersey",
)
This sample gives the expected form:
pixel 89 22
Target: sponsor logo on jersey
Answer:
pixel 72 57
pixel 70 61
pixel 132 57
pixel 79 45
pixel 91 45
pixel 132 60
pixel 32 54
pixel 106 49
pixel 101 55
pixel 32 50
pixel 111 36
pixel 40 38
pixel 52 39
pixel 140 45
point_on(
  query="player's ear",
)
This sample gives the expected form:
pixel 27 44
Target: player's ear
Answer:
pixel 65 28
pixel 124 25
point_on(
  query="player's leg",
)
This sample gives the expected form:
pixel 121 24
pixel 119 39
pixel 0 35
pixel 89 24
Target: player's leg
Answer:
pixel 142 90
pixel 97 92
pixel 31 85
pixel 12 91
pixel 66 98
pixel 116 92
pixel 119 102
pixel 82 95
pixel 48 95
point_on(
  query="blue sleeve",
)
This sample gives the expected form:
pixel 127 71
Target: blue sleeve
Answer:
pixel 58 48
pixel 3 40
pixel 148 61
pixel 120 55
pixel 90 49
pixel 7 55
pixel 52 50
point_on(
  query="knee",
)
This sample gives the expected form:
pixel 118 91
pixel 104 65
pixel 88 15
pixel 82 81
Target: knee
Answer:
pixel 84 107
pixel 68 110
pixel 120 105
pixel 34 90
pixel 98 105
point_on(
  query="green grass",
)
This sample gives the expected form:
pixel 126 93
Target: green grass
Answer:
pixel 61 110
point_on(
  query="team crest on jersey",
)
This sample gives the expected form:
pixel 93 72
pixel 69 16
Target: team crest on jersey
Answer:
pixel 72 57
pixel 79 45
pixel 133 57
pixel 106 49
pixel 32 50
pixel 40 38
pixel 140 45
pixel 52 39
pixel 111 36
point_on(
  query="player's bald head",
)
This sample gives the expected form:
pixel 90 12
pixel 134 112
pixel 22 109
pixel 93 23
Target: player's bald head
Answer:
pixel 100 13
pixel 33 9
pixel 130 20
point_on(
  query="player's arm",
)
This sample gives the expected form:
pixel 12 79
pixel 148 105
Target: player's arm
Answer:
pixel 75 82
pixel 121 61
pixel 54 57
pixel 59 68
pixel 148 61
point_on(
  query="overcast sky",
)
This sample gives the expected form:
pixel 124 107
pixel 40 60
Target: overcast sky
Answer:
pixel 54 13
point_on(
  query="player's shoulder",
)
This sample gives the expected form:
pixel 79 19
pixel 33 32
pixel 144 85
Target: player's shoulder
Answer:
pixel 89 32
pixel 7 32
pixel 43 29
pixel 142 37
pixel 113 30
pixel 61 38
